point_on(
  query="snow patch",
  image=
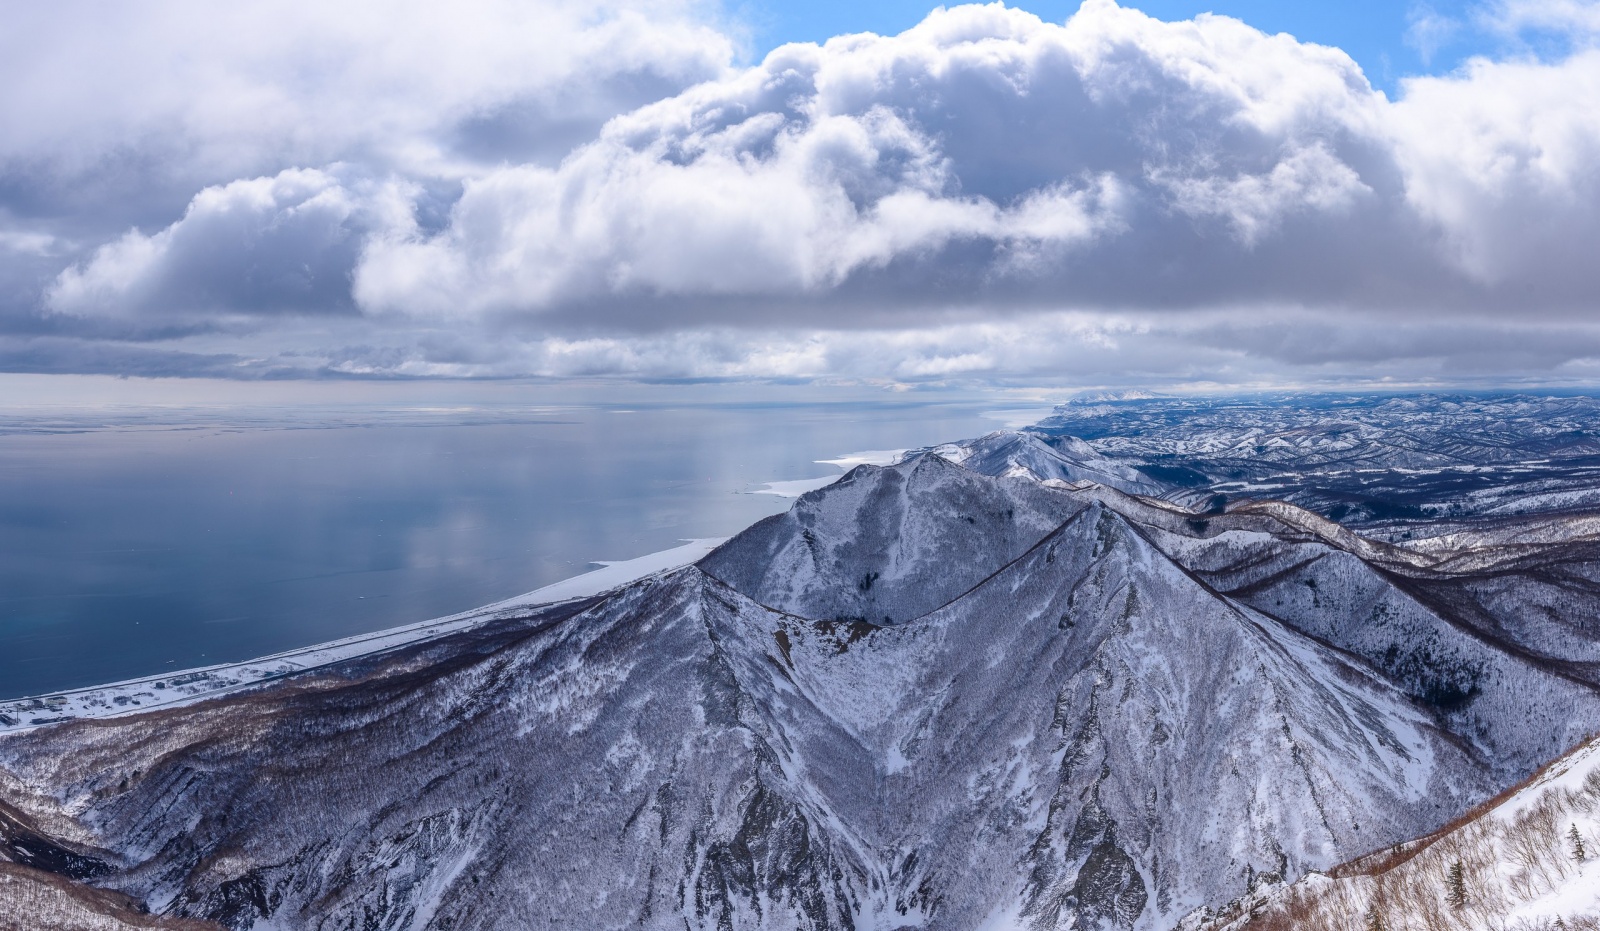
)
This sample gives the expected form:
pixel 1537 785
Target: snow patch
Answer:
pixel 796 487
pixel 873 457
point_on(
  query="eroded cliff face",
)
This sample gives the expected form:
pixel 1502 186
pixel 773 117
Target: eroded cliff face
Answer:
pixel 927 696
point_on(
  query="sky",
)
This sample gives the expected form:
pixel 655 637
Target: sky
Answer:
pixel 1389 39
pixel 1251 193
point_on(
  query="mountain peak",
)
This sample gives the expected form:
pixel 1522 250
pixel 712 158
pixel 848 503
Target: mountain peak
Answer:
pixel 993 682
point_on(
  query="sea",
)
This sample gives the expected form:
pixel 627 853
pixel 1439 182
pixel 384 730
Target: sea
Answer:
pixel 165 531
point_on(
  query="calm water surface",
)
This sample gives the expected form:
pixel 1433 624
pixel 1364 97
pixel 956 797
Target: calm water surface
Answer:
pixel 134 541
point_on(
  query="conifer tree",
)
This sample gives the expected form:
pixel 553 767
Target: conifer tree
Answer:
pixel 1455 885
pixel 1579 853
pixel 1374 919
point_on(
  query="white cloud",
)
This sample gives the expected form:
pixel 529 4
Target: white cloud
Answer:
pixel 266 245
pixel 118 113
pixel 1505 159
pixel 560 189
pixel 308 81
pixel 1578 19
pixel 27 242
pixel 1310 179
pixel 982 132
pixel 1428 31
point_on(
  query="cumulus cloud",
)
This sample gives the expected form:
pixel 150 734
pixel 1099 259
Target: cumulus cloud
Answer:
pixel 121 112
pixel 984 153
pixel 1504 160
pixel 1311 179
pixel 558 189
pixel 989 159
pixel 267 245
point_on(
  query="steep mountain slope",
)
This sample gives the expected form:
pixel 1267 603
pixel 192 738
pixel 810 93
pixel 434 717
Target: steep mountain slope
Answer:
pixel 924 697
pixel 1499 674
pixel 36 899
pixel 1529 859
pixel 1077 698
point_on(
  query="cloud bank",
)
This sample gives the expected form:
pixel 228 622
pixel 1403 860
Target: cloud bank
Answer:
pixel 561 190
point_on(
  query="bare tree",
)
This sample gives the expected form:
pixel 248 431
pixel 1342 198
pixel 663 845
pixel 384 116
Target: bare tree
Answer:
pixel 1455 886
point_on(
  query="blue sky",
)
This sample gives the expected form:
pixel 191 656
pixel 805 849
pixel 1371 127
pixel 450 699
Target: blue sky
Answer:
pixel 1383 36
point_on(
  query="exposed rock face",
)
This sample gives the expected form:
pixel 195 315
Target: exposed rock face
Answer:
pixel 925 697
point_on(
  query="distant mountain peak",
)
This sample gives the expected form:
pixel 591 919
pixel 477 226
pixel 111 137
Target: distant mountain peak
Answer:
pixel 1021 454
pixel 1104 396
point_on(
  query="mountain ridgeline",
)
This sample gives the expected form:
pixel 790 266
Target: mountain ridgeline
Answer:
pixel 1014 683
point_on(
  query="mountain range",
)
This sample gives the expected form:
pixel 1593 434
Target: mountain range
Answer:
pixel 1130 665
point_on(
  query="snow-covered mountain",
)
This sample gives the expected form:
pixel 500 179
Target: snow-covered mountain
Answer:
pixel 1042 458
pixel 1382 463
pixel 974 689
pixel 1528 860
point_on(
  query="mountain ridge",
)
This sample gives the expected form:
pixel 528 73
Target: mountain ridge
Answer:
pixel 924 697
